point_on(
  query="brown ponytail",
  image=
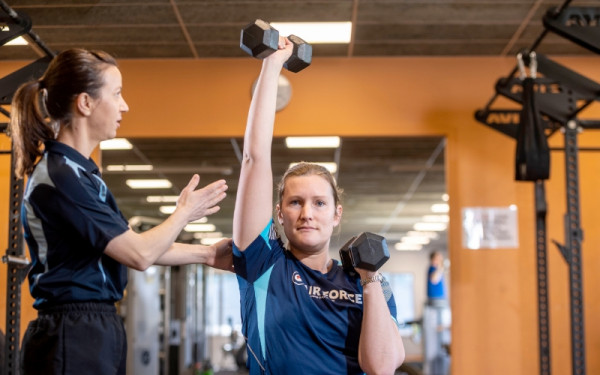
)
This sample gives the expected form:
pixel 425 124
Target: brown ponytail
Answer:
pixel 29 127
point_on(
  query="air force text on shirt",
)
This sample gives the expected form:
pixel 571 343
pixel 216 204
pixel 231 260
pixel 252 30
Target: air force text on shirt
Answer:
pixel 315 291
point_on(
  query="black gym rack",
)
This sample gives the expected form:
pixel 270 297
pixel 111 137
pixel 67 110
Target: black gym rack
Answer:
pixel 561 95
pixel 17 264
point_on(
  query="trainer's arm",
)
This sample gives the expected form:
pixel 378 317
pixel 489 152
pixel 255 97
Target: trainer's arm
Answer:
pixel 141 250
pixel 218 255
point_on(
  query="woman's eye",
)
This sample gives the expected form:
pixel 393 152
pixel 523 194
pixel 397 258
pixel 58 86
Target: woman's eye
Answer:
pixel 320 203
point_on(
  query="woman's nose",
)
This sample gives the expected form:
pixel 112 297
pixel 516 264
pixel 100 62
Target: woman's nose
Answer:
pixel 306 212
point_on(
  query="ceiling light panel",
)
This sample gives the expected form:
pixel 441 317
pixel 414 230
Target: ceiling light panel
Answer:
pixel 116 144
pixel 159 183
pixel 317 32
pixel 312 142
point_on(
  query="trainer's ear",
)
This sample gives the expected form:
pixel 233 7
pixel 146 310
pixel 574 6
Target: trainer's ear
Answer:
pixel 84 104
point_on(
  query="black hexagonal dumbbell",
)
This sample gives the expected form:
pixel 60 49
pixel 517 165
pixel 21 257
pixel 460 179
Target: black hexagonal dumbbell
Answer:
pixel 368 251
pixel 259 39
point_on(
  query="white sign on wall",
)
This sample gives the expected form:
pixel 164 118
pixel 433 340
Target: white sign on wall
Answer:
pixel 490 227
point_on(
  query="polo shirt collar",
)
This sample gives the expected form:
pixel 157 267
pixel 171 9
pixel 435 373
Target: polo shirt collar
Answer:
pixel 71 153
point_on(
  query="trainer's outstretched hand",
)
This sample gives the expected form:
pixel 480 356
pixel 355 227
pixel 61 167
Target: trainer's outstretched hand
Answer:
pixel 221 255
pixel 197 204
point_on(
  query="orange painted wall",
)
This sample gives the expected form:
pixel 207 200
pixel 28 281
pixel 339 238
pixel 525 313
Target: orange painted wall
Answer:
pixel 494 292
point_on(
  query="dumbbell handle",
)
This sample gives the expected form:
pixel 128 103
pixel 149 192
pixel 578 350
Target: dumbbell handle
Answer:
pixel 301 56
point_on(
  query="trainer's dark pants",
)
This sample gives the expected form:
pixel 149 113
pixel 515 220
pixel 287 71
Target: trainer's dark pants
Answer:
pixel 75 339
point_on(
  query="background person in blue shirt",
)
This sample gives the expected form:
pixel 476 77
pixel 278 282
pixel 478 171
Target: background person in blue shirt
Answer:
pixel 79 242
pixel 301 313
pixel 436 290
pixel 436 318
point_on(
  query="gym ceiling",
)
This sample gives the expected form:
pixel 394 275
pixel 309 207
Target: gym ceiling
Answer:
pixel 387 181
pixel 211 28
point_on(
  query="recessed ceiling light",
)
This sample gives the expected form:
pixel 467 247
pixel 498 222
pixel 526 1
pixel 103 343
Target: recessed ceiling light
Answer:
pixel 162 198
pixel 159 183
pixel 430 227
pixel 416 240
pixel 317 32
pixel 200 228
pixel 402 246
pixel 312 142
pixel 18 41
pixel 116 144
pixel 200 235
pixel 436 218
pixel 440 207
pixel 129 167
pixel 167 210
pixel 431 235
pixel 210 241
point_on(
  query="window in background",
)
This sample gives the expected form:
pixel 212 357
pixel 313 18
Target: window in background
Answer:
pixel 402 285
pixel 223 304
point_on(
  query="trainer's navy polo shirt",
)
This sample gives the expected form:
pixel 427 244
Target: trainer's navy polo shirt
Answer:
pixel 69 216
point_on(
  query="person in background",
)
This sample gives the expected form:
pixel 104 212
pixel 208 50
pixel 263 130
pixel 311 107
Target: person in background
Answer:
pixel 436 316
pixel 301 313
pixel 79 242
pixel 436 290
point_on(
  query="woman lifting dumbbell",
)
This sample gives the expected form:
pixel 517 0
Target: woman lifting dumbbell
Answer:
pixel 302 314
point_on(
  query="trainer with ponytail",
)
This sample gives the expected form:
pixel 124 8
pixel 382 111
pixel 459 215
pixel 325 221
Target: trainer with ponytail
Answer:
pixel 79 242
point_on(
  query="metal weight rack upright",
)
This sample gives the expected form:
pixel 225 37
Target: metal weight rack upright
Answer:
pixel 14 25
pixel 561 95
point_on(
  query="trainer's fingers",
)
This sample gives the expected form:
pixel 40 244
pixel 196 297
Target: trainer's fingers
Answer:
pixel 212 210
pixel 194 181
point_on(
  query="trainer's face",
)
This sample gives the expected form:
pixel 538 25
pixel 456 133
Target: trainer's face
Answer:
pixel 308 213
pixel 108 107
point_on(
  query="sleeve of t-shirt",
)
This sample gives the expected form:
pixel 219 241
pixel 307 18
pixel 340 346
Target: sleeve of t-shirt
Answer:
pixel 391 301
pixel 259 256
pixel 80 202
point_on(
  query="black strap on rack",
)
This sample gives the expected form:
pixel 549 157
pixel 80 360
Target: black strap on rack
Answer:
pixel 560 96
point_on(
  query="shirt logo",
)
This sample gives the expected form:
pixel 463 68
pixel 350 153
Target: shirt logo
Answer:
pixel 334 295
pixel 297 279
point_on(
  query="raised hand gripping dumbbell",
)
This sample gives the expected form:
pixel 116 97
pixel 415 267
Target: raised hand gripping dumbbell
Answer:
pixel 259 39
pixel 368 251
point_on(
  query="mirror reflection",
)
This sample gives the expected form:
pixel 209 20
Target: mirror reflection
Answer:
pixel 394 187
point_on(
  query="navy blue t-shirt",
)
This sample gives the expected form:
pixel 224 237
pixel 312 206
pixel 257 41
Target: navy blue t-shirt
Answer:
pixel 298 320
pixel 69 216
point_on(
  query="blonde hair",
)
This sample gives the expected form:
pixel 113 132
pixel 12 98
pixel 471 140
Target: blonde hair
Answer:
pixel 309 169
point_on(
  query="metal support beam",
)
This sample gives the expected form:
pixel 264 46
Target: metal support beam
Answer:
pixel 17 270
pixel 542 278
pixel 574 237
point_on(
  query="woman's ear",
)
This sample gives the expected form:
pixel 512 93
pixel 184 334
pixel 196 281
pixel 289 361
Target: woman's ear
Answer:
pixel 279 215
pixel 84 104
pixel 337 218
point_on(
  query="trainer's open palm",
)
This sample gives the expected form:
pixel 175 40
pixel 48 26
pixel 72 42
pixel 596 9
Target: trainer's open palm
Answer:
pixel 197 204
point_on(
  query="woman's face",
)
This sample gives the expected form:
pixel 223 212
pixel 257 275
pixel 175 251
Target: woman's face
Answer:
pixel 109 107
pixel 308 213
